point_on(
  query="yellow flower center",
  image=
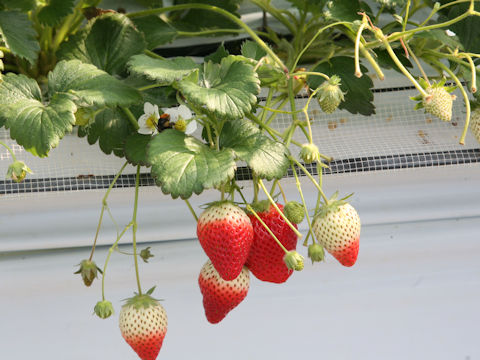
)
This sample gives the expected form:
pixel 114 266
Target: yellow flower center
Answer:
pixel 151 121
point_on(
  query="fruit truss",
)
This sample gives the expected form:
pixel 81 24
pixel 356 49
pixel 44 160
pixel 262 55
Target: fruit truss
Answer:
pixel 73 64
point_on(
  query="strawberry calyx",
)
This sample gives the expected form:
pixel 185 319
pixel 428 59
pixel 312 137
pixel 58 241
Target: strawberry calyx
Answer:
pixel 260 206
pixel 89 271
pixel 316 253
pixel 332 205
pixel 142 300
pixel 104 309
pixel 294 212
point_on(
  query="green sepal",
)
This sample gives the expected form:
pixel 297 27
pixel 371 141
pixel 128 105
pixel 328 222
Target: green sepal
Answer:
pixel 316 252
pixel 418 106
pixel 294 212
pixel 89 271
pixel 145 254
pixel 142 301
pixel 103 309
pixel 294 260
pixel 333 204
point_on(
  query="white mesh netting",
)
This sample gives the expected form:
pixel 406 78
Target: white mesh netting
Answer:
pixel 396 137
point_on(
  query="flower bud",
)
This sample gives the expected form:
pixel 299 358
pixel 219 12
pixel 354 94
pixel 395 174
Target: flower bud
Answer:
pixel 316 252
pixel 103 309
pixel 309 153
pixel 89 271
pixel 17 171
pixel 294 260
pixel 145 254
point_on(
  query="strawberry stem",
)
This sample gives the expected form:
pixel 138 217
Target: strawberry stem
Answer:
pixel 134 229
pixel 110 251
pixel 191 209
pixel 310 177
pixel 305 209
pixel 260 182
pixel 9 150
pixel 104 205
pixel 358 71
pixel 249 208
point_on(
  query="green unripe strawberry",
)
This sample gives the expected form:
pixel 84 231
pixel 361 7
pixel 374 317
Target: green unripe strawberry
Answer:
pixel 89 271
pixel 439 100
pixel 294 212
pixel 316 252
pixel 294 260
pixel 475 124
pixel 309 153
pixel 330 95
pixel 103 309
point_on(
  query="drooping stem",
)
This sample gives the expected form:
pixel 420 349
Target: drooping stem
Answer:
pixel 110 251
pixel 191 209
pixel 217 10
pixel 131 118
pixel 282 215
pixel 9 150
pixel 153 55
pixel 104 205
pixel 310 177
pixel 358 71
pixel 134 229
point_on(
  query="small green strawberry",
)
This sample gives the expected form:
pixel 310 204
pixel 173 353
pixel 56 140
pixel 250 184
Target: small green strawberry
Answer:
pixel 475 124
pixel 143 324
pixel 337 228
pixel 316 252
pixel 89 271
pixel 145 254
pixel 103 309
pixel 330 95
pixel 438 102
pixel 294 212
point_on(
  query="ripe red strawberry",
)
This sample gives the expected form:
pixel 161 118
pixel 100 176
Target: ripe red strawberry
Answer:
pixel 143 324
pixel 221 296
pixel 337 228
pixel 265 260
pixel 226 235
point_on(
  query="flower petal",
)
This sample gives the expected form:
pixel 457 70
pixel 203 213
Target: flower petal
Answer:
pixel 148 108
pixel 184 112
pixel 191 127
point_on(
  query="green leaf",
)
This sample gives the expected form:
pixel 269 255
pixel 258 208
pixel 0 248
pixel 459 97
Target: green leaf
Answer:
pixel 218 55
pixel 23 5
pixel 136 149
pixel 108 43
pixel 156 31
pixel 313 6
pixel 227 90
pixel 385 61
pixel 111 129
pixel 467 30
pixel 266 157
pixel 34 125
pixel 435 39
pixel 54 11
pixel 18 33
pixel 197 20
pixel 359 96
pixel 163 71
pixel 182 165
pixel 88 85
pixel 252 50
pixel 345 10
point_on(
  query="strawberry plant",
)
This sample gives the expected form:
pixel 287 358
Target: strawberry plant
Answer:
pixel 73 64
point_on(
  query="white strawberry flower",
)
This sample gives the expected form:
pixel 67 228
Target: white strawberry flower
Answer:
pixel 182 117
pixel 147 122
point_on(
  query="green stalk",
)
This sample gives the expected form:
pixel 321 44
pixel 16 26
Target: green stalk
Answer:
pixel 249 208
pixel 104 205
pixel 191 209
pixel 152 54
pixel 217 10
pixel 282 215
pixel 310 177
pixel 130 117
pixel 134 229
pixel 277 14
pixel 9 150
pixel 379 34
pixel 110 251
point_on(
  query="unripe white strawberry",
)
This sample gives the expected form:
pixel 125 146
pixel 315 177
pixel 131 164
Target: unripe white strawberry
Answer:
pixel 439 103
pixel 475 124
pixel 337 228
pixel 143 324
